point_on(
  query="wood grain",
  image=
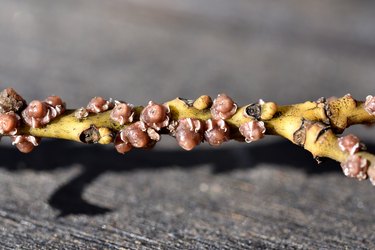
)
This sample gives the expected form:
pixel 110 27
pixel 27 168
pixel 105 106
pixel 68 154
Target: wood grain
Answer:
pixel 265 195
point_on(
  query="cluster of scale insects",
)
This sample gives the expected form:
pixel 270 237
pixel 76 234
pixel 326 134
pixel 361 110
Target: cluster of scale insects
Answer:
pixel 356 166
pixel 189 132
pixel 143 130
pixel 143 133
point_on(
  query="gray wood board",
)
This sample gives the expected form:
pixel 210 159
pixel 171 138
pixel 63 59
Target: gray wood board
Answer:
pixel 270 194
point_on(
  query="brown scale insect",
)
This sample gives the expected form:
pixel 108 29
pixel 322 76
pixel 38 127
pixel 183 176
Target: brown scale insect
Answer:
pixel 350 143
pixel 122 145
pixel 155 116
pixel 36 109
pixel 370 104
pixel 57 105
pixel 252 130
pixel 217 132
pixel 135 135
pixel 122 113
pixel 81 113
pixel 189 133
pixel 34 113
pixel 371 175
pixel 355 167
pixel 9 123
pixel 25 143
pixel 223 107
pixel 38 113
pixel 98 104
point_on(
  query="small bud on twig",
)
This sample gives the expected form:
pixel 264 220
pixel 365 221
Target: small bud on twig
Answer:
pixel 202 102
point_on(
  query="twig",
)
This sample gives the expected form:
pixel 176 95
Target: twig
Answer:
pixel 313 125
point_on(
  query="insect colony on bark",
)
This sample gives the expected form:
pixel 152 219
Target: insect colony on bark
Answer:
pixel 312 125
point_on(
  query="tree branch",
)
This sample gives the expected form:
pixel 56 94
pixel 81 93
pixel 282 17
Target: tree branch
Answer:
pixel 313 125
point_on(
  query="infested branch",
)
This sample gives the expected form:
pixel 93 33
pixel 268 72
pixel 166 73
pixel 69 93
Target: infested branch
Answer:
pixel 313 125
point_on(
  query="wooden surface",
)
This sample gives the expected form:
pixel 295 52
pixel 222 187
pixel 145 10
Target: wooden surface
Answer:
pixel 270 194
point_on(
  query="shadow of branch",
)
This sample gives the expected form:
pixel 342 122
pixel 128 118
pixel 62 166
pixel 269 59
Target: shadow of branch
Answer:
pixel 98 159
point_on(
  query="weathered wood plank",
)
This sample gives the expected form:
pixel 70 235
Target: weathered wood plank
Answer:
pixel 267 195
